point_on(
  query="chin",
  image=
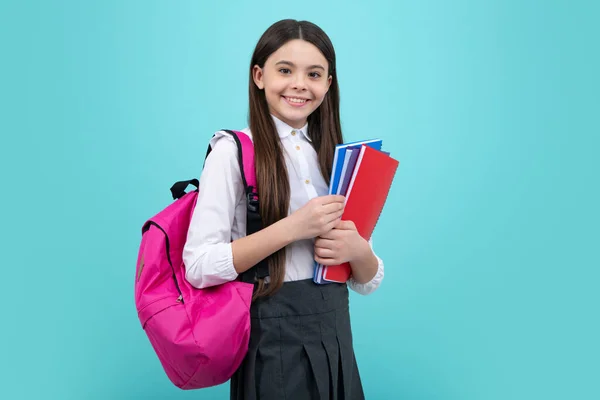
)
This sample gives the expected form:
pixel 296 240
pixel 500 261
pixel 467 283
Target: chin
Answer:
pixel 295 119
pixel 297 115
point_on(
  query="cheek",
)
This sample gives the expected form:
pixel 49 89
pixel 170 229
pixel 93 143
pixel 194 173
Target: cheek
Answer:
pixel 321 89
pixel 319 92
pixel 275 87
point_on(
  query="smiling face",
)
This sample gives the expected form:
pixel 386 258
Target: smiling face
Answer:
pixel 295 81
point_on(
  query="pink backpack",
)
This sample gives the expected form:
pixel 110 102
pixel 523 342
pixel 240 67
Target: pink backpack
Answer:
pixel 200 335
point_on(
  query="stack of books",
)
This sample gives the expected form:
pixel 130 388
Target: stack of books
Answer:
pixel 363 173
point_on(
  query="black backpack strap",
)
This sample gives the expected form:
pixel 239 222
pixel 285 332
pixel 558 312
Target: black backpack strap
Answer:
pixel 253 218
pixel 178 188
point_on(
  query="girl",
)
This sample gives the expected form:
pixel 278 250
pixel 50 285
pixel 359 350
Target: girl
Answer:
pixel 301 340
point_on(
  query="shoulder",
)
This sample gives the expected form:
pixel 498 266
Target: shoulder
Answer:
pixel 223 148
pixel 225 140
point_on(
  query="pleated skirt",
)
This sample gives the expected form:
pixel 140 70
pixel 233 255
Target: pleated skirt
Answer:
pixel 300 347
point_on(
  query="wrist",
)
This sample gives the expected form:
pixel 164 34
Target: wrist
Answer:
pixel 365 266
pixel 363 251
pixel 286 229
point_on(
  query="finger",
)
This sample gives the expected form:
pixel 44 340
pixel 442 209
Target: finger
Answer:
pixel 346 225
pixel 334 217
pixel 324 253
pixel 336 214
pixel 338 198
pixel 325 242
pixel 329 229
pixel 333 198
pixel 333 208
pixel 329 218
pixel 326 261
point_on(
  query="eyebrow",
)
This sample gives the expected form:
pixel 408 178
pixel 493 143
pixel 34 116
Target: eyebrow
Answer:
pixel 291 64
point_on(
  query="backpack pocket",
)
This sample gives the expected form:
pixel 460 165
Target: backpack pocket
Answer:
pixel 157 306
pixel 168 327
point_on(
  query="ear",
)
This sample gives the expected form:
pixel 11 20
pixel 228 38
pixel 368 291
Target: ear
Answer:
pixel 257 76
pixel 329 81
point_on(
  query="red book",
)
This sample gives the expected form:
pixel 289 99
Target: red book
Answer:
pixel 365 198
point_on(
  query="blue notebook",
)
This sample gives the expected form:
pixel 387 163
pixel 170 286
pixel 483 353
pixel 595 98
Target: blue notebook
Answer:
pixel 348 170
pixel 339 157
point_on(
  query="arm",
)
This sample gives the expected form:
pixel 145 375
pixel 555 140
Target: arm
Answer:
pixel 319 215
pixel 365 265
pixel 210 257
pixel 370 283
pixel 250 250
pixel 207 252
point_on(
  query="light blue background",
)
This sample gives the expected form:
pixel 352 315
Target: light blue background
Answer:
pixel 490 235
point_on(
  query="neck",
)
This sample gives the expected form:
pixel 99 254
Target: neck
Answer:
pixel 297 125
pixel 293 124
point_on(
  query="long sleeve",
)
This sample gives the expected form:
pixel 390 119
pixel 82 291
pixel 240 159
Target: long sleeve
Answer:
pixel 373 284
pixel 207 253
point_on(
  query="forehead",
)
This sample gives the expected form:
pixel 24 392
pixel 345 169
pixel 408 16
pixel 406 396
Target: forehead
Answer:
pixel 299 52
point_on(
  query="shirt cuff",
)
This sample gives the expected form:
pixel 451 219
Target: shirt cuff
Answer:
pixel 213 268
pixel 369 287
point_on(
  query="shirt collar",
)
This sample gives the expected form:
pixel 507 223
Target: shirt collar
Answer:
pixel 285 130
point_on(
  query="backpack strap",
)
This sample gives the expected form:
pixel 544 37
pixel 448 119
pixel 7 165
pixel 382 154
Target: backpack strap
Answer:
pixel 178 188
pixel 253 220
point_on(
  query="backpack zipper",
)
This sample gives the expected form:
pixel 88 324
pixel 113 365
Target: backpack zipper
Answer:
pixel 180 298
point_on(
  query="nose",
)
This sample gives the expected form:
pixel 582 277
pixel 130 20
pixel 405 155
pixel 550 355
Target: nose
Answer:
pixel 299 82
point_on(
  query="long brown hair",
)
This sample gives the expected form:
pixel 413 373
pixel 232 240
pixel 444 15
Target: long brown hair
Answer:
pixel 323 125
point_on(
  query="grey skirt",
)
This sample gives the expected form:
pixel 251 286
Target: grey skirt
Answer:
pixel 300 347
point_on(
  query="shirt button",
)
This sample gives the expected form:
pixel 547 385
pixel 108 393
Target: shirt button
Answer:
pixel 297 147
pixel 307 181
pixel 293 133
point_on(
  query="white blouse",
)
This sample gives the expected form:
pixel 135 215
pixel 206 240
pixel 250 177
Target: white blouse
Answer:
pixel 220 213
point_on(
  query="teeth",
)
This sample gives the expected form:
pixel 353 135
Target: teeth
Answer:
pixel 292 100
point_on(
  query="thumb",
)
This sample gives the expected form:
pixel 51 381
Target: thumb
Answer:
pixel 347 225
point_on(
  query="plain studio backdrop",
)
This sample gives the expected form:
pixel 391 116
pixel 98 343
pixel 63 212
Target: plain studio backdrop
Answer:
pixel 489 236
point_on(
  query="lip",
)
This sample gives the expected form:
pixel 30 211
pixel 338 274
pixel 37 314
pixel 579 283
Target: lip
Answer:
pixel 296 104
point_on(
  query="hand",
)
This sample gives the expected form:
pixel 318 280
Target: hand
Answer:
pixel 317 217
pixel 340 245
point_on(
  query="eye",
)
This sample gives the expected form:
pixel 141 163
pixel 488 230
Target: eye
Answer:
pixel 284 70
pixel 315 75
